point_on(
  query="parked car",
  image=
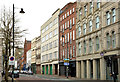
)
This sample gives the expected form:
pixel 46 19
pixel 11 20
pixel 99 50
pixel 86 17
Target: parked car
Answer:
pixel 16 73
pixel 30 73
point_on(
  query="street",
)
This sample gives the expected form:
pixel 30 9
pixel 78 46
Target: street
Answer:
pixel 50 78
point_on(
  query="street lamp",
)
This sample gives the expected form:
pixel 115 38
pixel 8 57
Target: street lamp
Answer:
pixel 13 38
pixel 67 56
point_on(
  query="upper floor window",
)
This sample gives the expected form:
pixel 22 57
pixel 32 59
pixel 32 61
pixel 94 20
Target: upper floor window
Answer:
pixel 85 10
pixel 63 53
pixel 90 26
pixel 97 43
pixel 90 45
pixel 80 13
pixel 84 47
pixel 70 12
pixel 65 15
pixel 73 21
pixel 91 6
pixel 79 31
pixel 108 17
pixel 73 34
pixel 73 9
pixel 84 28
pixel 113 39
pixel 50 34
pixel 70 23
pixel 97 22
pixel 67 37
pixel 63 41
pixel 108 40
pixel 113 15
pixel 98 3
pixel 63 27
pixel 70 37
pixel 79 45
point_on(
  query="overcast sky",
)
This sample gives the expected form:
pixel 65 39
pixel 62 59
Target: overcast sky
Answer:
pixel 37 12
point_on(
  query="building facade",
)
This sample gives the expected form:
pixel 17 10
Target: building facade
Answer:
pixel 49 45
pixel 67 39
pixel 33 55
pixel 38 55
pixel 98 40
pixel 28 59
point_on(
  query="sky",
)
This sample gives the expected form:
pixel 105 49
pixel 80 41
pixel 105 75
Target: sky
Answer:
pixel 37 12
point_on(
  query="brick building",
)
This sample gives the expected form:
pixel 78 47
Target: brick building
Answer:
pixel 67 39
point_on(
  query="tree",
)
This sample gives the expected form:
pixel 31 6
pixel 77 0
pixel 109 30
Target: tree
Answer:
pixel 6 26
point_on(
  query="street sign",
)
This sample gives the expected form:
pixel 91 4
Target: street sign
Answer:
pixel 11 60
pixel 66 61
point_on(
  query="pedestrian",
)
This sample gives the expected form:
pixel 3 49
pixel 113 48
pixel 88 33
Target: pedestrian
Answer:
pixel 114 75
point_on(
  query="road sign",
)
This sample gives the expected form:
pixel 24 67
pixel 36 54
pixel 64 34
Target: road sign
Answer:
pixel 11 60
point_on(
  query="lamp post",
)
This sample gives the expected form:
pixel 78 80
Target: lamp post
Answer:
pixel 67 56
pixel 13 39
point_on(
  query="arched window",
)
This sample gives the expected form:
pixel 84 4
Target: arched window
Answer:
pixel 108 40
pixel 113 39
pixel 97 43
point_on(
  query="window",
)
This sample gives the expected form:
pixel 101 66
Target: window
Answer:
pixel 46 28
pixel 97 43
pixel 55 44
pixel 108 18
pixel 97 22
pixel 73 21
pixel 50 24
pixel 84 47
pixel 91 6
pixel 73 35
pixel 46 57
pixel 50 56
pixel 55 32
pixel 70 23
pixel 84 28
pixel 90 26
pixel 63 41
pixel 90 45
pixel 65 15
pixel 113 15
pixel 108 40
pixel 70 37
pixel 80 13
pixel 85 10
pixel 43 30
pixel 73 51
pixel 70 12
pixel 63 53
pixel 55 54
pixel 113 39
pixel 79 45
pixel 73 9
pixel 79 31
pixel 98 3
pixel 50 45
pixel 70 52
pixel 63 27
pixel 47 47
pixel 65 38
pixel 50 35
pixel 47 37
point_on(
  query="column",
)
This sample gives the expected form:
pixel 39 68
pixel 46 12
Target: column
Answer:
pixel 88 69
pixel 82 70
pixel 94 70
pixel 102 69
pixel 53 69
pixel 78 69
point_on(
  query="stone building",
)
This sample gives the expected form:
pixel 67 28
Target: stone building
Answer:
pixel 67 39
pixel 98 40
pixel 49 45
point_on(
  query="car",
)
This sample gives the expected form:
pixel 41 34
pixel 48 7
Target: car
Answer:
pixel 30 73
pixel 16 74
